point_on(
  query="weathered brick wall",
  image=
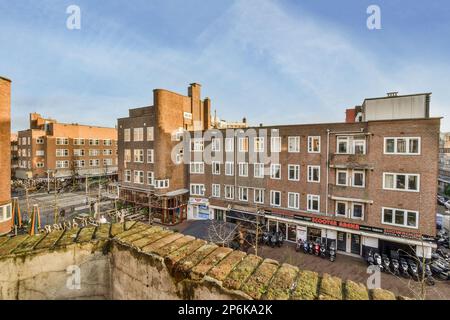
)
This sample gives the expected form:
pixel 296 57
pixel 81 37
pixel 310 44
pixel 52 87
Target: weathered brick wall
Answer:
pixel 137 261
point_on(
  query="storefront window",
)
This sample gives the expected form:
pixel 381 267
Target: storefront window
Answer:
pixel 314 233
pixel 292 232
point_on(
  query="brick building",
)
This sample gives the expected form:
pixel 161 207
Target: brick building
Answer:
pixel 150 175
pixel 14 153
pixel 444 162
pixel 52 149
pixel 368 182
pixel 5 156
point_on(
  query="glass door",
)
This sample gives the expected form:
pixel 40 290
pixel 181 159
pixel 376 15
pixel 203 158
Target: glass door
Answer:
pixel 356 244
pixel 342 241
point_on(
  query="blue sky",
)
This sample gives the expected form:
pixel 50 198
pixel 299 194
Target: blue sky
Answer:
pixel 274 62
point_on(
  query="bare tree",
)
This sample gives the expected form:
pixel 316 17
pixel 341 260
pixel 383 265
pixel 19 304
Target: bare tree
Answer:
pixel 222 233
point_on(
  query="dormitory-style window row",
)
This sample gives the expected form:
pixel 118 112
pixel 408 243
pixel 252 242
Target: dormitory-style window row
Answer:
pixel 138 134
pixel 352 210
pixel 401 181
pixel 139 178
pixel 351 145
pixel 353 178
pixel 138 155
pixel 400 217
pixel 402 145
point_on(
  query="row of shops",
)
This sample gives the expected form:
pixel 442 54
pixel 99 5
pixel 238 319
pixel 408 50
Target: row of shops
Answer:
pixel 350 238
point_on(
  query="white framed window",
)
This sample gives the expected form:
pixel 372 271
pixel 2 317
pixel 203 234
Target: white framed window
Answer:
pixel 94 152
pixel 258 196
pixel 197 167
pixel 62 152
pixel 400 217
pixel 162 184
pixel 258 144
pixel 78 152
pixel 293 200
pixel 243 144
pixel 402 145
pixel 215 165
pixel 150 134
pixel 401 182
pixel 229 168
pixel 197 145
pixel 229 192
pixel 314 174
pixel 40 153
pixel 40 140
pixel 275 198
pixel 127 155
pixel 107 152
pixel 127 135
pixel 150 178
pixel 341 209
pixel 139 155
pixel 275 144
pixel 229 144
pixel 294 144
pixel 350 145
pixel 62 141
pixel 94 142
pixel 359 146
pixel 198 189
pixel 357 211
pixel 78 141
pixel 294 172
pixel 5 213
pixel 39 164
pixel 243 194
pixel 138 134
pixel 150 156
pixel 258 170
pixel 62 164
pixel 187 115
pixel 243 169
pixel 341 177
pixel 275 171
pixel 313 203
pixel 216 190
pixel 107 142
pixel 358 178
pixel 139 177
pixel 107 162
pixel 314 144
pixel 94 162
pixel 215 144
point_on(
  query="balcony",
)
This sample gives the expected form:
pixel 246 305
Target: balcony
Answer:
pixel 350 161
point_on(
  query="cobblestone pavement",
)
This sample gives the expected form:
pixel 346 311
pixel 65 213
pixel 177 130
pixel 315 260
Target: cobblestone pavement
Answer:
pixel 345 267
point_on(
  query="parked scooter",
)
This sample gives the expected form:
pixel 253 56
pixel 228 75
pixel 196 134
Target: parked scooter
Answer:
pixel 413 270
pixel 378 261
pixel 427 275
pixel 404 268
pixel 266 238
pixel 299 245
pixel 280 239
pixel 311 247
pixel 439 272
pixel 395 267
pixel 323 250
pixel 317 247
pixel 305 246
pixel 386 263
pixel 370 259
pixel 332 251
pixel 273 240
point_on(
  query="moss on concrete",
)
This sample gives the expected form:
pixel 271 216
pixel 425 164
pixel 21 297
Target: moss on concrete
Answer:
pixel 282 283
pixel 330 288
pixel 381 294
pixel 242 272
pixel 355 291
pixel 224 267
pixel 8 246
pixel 171 247
pixel 256 285
pixel 85 235
pixel 204 266
pixel 306 287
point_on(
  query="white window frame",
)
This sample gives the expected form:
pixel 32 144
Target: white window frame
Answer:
pixel 260 192
pixel 310 198
pixel 353 210
pixel 405 217
pixel 272 198
pixel 197 167
pixel 215 190
pixel 127 155
pixel 275 144
pixel 258 168
pixel 138 156
pixel 241 144
pixel 150 134
pixel 296 143
pixel 215 144
pixel 353 178
pixel 229 144
pixel 243 169
pixel 150 178
pixel 241 194
pixel 407 175
pixel 258 144
pixel 197 145
pixel 345 215
pixel 296 200
pixel 408 142
pixel 215 168
pixel 296 172
pixel 127 135
pixel 346 178
pixel 273 171
pixel 231 189
pixel 197 189
pixel 310 174
pixel 310 144
pixel 229 165
pixel 150 156
pixel 138 134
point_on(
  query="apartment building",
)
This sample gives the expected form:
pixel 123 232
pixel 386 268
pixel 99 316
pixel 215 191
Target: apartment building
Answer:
pixel 151 173
pixel 366 183
pixel 14 153
pixel 5 156
pixel 52 149
pixel 444 162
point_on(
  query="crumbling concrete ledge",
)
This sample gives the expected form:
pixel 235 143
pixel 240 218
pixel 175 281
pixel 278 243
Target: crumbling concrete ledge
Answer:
pixel 137 261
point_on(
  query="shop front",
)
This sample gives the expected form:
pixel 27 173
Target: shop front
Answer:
pixel 198 209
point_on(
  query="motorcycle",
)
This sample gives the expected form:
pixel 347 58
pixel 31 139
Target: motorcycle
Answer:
pixel 317 247
pixel 311 247
pixel 280 239
pixel 370 259
pixel 395 266
pixel 332 252
pixel 404 268
pixel 439 272
pixel 427 275
pixel 323 250
pixel 266 238
pixel 386 263
pixel 378 261
pixel 273 240
pixel 413 270
pixel 305 247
